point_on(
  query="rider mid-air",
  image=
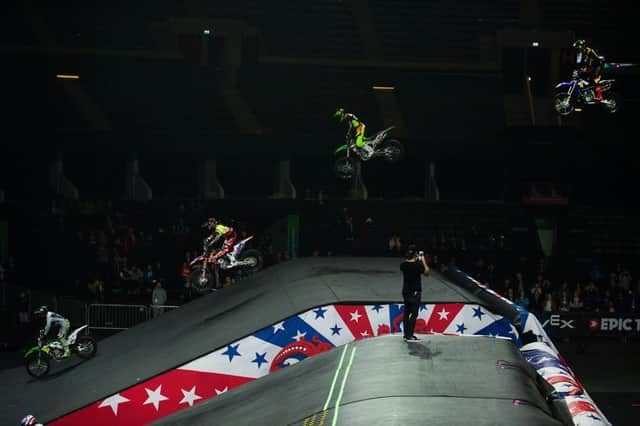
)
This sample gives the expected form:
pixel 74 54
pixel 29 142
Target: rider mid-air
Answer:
pixel 218 230
pixel 62 324
pixel 355 132
pixel 380 145
pixel 589 65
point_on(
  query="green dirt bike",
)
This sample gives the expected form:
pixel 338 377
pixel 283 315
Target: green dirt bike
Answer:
pixel 377 146
pixel 38 358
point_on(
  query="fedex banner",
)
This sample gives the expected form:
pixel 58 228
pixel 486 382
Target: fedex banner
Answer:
pixel 589 324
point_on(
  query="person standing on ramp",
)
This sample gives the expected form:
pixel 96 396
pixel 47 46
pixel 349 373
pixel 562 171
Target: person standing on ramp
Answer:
pixel 412 268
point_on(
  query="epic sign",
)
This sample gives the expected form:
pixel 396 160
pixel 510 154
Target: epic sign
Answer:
pixel 614 324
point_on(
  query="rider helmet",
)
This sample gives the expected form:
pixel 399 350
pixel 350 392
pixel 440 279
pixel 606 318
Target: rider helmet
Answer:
pixel 339 114
pixel 28 420
pixel 41 311
pixel 580 44
pixel 211 223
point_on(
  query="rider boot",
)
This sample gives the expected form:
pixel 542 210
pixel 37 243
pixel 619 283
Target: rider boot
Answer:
pixel 64 345
pixel 598 93
pixel 365 151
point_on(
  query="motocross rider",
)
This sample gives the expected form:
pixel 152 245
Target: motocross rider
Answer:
pixel 589 65
pixel 61 322
pixel 356 127
pixel 219 230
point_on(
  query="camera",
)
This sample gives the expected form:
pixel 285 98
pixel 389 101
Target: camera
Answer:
pixel 420 253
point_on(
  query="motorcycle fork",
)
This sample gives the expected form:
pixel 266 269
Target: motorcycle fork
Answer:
pixel 204 266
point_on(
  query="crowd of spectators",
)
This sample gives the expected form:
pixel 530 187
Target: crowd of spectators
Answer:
pixel 100 253
pixel 114 255
pixel 520 272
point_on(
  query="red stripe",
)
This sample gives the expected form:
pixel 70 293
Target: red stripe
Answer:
pixel 135 412
pixel 441 316
pixel 361 327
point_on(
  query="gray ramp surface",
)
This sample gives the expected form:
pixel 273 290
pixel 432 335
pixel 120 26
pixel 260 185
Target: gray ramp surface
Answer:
pixel 208 323
pixel 439 380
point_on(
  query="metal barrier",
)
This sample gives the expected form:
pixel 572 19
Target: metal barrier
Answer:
pixel 74 310
pixel 156 310
pixel 115 317
pixel 122 317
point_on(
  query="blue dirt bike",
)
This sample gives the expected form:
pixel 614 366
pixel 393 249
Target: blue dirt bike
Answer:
pixel 579 92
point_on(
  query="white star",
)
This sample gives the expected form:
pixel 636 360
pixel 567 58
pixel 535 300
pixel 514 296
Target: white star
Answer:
pixel 364 333
pixel 154 397
pixel 355 316
pixel 299 336
pixel 113 402
pixel 189 396
pixel 278 326
pixel 400 305
pixel 443 314
pixel 218 392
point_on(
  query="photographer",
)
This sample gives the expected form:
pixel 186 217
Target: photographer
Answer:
pixel 412 267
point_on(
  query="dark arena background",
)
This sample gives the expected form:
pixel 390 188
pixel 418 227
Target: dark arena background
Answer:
pixel 126 125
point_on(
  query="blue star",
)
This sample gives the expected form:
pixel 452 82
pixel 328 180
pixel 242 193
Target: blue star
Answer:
pixel 232 351
pixel 477 312
pixel 319 313
pixel 377 308
pixel 335 330
pixel 461 328
pixel 260 359
pixel 423 307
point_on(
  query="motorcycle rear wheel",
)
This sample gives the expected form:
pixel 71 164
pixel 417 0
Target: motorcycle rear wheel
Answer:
pixel 611 102
pixel 392 150
pixel 202 284
pixel 344 168
pixel 86 347
pixel 257 261
pixel 563 104
pixel 38 364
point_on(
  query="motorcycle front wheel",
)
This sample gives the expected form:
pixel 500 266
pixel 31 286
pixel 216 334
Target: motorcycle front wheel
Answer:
pixel 202 283
pixel 563 104
pixel 344 168
pixel 37 364
pixel 86 347
pixel 392 150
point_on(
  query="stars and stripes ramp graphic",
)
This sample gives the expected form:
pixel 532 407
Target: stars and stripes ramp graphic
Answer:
pixel 282 316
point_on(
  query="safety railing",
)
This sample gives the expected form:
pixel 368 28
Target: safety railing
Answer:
pixel 122 317
pixel 115 317
pixel 98 316
pixel 157 310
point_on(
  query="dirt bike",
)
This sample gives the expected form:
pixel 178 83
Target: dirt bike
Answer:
pixel 579 92
pixel 203 268
pixel 377 146
pixel 38 358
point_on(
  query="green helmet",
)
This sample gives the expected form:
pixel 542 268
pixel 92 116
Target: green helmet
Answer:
pixel 339 114
pixel 580 44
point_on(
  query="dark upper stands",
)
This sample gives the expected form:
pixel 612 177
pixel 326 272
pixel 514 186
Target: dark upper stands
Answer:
pixel 441 30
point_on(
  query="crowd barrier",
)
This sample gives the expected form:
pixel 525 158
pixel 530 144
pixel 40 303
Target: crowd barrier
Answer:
pixel 586 324
pixel 101 316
